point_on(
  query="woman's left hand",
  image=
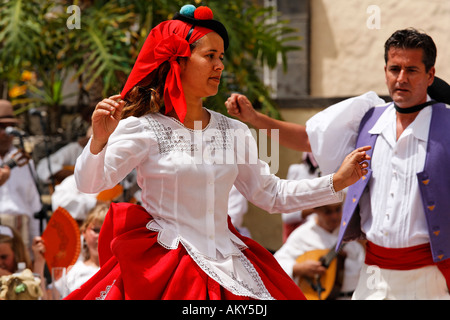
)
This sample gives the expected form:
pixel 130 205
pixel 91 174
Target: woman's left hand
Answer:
pixel 352 169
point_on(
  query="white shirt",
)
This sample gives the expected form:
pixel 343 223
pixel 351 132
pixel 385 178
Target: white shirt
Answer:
pixel 65 156
pixel 310 236
pixel 67 196
pixel 297 171
pixel 19 194
pixel 391 212
pixel 237 207
pixel 399 219
pixel 78 274
pixel 186 176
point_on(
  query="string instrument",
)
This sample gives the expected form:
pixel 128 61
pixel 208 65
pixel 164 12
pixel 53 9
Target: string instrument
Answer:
pixel 328 285
pixel 20 158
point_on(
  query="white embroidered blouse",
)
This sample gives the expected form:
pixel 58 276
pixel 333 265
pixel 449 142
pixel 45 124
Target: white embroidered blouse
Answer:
pixel 186 176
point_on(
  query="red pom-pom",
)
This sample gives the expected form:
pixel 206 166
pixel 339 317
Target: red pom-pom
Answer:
pixel 203 13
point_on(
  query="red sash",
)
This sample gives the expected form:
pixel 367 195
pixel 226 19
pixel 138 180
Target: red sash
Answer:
pixel 405 258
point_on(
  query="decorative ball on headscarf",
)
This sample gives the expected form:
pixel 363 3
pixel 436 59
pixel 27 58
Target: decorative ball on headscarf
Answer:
pixel 168 41
pixel 202 17
pixel 188 10
pixel 203 13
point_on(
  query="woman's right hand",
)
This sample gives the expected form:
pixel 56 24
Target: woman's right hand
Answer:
pixel 105 119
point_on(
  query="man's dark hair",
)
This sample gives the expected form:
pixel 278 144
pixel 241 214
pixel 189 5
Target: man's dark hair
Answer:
pixel 412 39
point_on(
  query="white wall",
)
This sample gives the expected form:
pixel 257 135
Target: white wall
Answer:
pixel 347 56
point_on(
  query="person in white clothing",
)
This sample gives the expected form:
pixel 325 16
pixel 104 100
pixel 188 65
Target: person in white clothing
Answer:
pixel 307 169
pixel 67 196
pixel 19 196
pixel 87 264
pixel 5 172
pixel 237 208
pixel 62 161
pixel 187 159
pixel 320 232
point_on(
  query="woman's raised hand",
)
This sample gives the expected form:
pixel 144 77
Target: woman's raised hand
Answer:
pixel 352 169
pixel 105 119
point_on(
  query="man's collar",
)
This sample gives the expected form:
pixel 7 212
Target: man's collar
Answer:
pixel 417 128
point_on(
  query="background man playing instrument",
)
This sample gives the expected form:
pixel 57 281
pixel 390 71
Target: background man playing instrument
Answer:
pixel 312 240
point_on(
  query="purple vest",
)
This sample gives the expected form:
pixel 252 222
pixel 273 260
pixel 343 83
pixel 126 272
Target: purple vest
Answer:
pixel 434 182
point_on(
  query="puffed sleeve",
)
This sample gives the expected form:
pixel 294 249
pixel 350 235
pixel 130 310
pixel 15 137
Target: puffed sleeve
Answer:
pixel 268 191
pixel 127 147
pixel 332 133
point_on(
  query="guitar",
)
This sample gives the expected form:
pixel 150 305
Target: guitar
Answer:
pixel 327 286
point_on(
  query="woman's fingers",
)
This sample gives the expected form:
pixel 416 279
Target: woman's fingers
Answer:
pixel 108 104
pixel 365 148
pixel 105 119
pixel 360 154
pixel 352 169
pixel 111 106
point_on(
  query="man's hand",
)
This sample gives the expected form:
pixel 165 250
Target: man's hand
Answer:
pixel 309 269
pixel 240 107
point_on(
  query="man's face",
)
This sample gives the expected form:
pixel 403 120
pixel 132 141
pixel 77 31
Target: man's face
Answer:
pixel 5 139
pixel 329 216
pixel 406 77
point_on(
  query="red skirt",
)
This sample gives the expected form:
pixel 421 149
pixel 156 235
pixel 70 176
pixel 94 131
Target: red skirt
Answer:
pixel 134 266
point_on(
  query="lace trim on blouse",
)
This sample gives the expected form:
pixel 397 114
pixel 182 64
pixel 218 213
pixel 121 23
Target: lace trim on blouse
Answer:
pixel 232 281
pixel 170 140
pixel 103 294
pixel 217 268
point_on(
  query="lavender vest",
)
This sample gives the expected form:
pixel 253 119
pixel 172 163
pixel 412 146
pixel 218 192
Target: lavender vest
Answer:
pixel 434 182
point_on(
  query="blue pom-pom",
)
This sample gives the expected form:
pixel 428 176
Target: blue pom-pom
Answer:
pixel 188 10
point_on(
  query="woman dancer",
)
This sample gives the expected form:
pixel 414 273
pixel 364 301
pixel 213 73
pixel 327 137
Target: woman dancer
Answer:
pixel 180 244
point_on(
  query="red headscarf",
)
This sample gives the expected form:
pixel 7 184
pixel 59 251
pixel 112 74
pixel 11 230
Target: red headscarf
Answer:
pixel 166 42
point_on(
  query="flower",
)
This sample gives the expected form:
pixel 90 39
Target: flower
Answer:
pixel 17 91
pixel 27 76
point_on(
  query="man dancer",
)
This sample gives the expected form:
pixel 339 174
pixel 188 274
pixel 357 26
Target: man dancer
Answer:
pixel 400 207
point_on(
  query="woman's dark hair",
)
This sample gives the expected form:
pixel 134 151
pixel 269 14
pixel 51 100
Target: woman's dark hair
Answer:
pixel 148 95
pixel 412 39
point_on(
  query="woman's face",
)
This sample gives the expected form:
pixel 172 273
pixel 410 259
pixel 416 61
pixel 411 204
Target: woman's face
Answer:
pixel 7 258
pixel 91 238
pixel 201 72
